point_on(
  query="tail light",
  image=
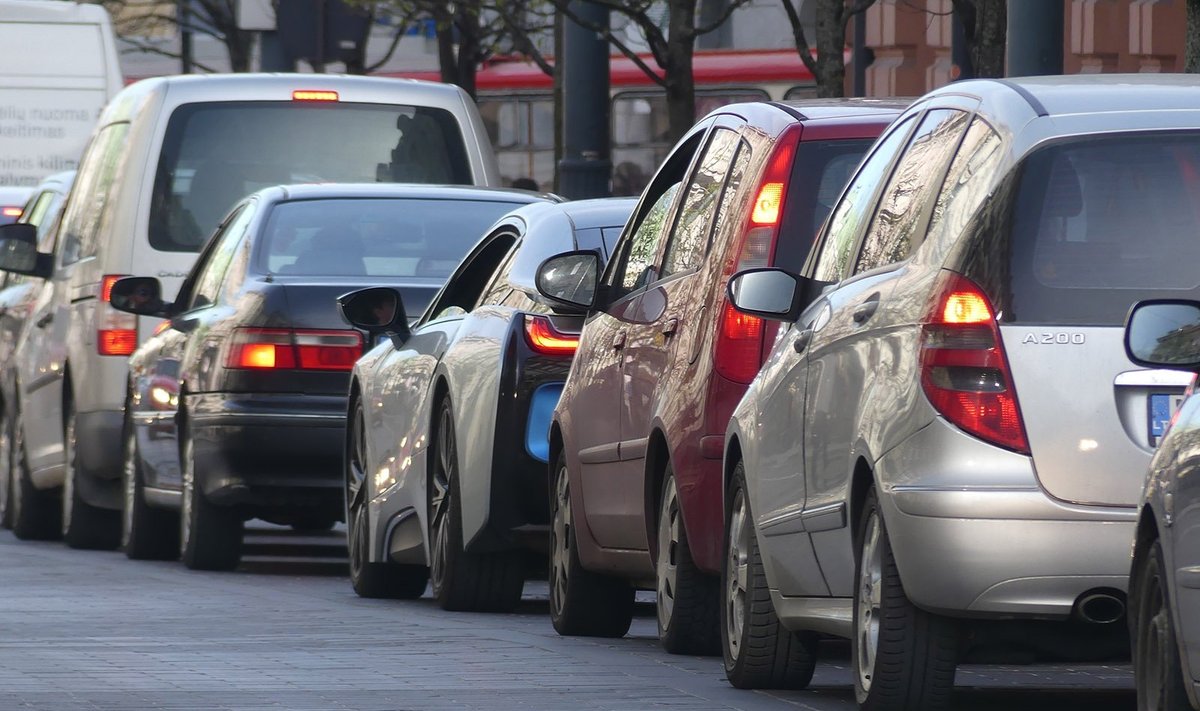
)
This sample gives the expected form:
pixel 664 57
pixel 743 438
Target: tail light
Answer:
pixel 964 371
pixel 286 349
pixel 13 212
pixel 544 338
pixel 314 95
pixel 740 339
pixel 116 331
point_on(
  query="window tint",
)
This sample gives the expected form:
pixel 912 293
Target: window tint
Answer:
pixel 392 237
pixel 966 184
pixel 1098 224
pixel 214 154
pixel 498 289
pixel 96 181
pixel 690 239
pixel 903 202
pixel 208 282
pixel 851 213
pixel 635 267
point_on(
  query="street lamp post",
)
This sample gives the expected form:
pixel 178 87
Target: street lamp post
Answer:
pixel 586 168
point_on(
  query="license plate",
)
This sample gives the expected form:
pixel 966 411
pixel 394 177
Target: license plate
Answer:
pixel 1162 408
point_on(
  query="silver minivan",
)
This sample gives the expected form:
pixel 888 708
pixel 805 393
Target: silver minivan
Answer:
pixel 169 157
pixel 942 457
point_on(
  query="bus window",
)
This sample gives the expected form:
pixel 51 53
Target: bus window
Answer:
pixel 804 91
pixel 522 133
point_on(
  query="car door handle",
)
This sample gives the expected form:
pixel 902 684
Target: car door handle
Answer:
pixel 802 340
pixel 618 341
pixel 865 310
pixel 45 320
pixel 669 327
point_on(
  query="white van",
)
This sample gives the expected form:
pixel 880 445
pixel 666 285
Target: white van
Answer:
pixel 169 158
pixel 58 68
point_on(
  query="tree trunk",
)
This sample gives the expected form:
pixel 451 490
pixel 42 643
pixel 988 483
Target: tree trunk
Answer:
pixel 681 85
pixel 1192 51
pixel 238 43
pixel 469 48
pixel 988 37
pixel 831 42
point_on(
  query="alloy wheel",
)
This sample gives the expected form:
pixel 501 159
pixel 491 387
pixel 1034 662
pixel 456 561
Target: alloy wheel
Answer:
pixel 667 566
pixel 870 580
pixel 560 532
pixel 128 484
pixel 444 471
pixel 18 466
pixel 6 470
pixel 68 492
pixel 356 496
pixel 187 499
pixel 737 574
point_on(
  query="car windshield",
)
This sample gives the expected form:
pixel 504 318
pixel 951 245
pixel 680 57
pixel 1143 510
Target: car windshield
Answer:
pixel 421 239
pixel 214 154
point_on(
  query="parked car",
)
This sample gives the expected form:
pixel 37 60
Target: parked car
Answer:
pixel 971 433
pixel 17 298
pixel 169 158
pixel 636 439
pixel 12 202
pixel 1163 607
pixel 236 408
pixel 447 444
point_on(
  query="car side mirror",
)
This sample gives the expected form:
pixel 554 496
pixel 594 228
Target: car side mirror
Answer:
pixel 570 279
pixel 1164 333
pixel 378 310
pixel 18 251
pixel 139 295
pixel 768 293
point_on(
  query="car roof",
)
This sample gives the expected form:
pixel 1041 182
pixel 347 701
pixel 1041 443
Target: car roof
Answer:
pixel 586 214
pixel 331 191
pixel 818 109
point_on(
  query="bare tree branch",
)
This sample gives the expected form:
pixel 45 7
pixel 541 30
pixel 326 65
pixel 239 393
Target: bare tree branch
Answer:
pixel 724 17
pixel 798 36
pixel 612 39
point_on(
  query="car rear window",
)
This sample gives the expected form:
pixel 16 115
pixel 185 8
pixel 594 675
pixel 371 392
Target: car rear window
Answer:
pixel 422 239
pixel 1098 224
pixel 214 154
pixel 819 173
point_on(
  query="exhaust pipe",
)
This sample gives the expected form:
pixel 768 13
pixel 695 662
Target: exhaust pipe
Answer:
pixel 1100 608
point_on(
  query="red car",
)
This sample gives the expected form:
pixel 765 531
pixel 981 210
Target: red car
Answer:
pixel 637 437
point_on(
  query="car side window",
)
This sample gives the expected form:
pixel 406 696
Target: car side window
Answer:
pixel 851 213
pixel 967 182
pixel 466 286
pixel 87 213
pixel 225 243
pixel 690 238
pixel 498 289
pixel 636 261
pixel 905 199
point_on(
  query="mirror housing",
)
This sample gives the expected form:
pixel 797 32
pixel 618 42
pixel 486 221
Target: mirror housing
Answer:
pixel 139 295
pixel 768 293
pixel 1164 333
pixel 18 252
pixel 570 279
pixel 378 310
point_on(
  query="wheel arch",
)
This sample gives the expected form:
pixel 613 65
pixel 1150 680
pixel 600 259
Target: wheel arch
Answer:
pixel 658 456
pixel 861 480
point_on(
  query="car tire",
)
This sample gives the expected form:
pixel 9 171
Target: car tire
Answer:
pixel 147 533
pixel 1157 668
pixel 314 524
pixel 902 658
pixel 760 653
pixel 371 580
pixel 6 469
pixel 210 536
pixel 84 526
pixel 463 581
pixel 689 600
pixel 35 513
pixel 582 603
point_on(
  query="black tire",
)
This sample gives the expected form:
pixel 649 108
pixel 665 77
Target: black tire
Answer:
pixel 315 524
pixel 1157 668
pixel 916 652
pixel 582 603
pixel 36 514
pixel 147 533
pixel 760 653
pixel 84 526
pixel 689 600
pixel 487 582
pixel 6 469
pixel 210 536
pixel 371 580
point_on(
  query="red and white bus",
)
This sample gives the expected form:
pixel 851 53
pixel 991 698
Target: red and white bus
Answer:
pixel 515 99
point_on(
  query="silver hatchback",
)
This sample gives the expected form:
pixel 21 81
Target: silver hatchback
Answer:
pixel 943 454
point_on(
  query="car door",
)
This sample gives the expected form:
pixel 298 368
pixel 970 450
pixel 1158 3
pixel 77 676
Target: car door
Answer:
pixel 783 383
pixel 860 349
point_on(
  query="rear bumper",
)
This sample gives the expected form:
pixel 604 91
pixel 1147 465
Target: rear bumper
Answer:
pixel 273 451
pixel 980 548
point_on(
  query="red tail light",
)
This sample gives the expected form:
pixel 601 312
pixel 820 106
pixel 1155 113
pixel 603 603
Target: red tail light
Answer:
pixel 116 331
pixel 964 371
pixel 740 339
pixel 544 338
pixel 314 95
pixel 11 211
pixel 283 349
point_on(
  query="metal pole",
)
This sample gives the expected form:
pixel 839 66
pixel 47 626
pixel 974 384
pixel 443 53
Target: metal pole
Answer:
pixel 586 167
pixel 862 54
pixel 1035 37
pixel 184 13
pixel 960 54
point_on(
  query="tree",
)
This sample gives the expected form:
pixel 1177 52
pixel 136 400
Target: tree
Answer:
pixel 829 66
pixel 985 24
pixel 136 20
pixel 672 50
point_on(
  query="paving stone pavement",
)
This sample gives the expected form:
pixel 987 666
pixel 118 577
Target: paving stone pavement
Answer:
pixel 88 630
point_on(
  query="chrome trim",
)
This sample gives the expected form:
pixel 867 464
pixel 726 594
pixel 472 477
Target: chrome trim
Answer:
pixel 304 417
pixel 829 517
pixel 784 523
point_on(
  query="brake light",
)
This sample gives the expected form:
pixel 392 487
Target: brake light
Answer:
pixel 283 349
pixel 544 338
pixel 964 370
pixel 311 95
pixel 116 331
pixel 11 211
pixel 740 338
